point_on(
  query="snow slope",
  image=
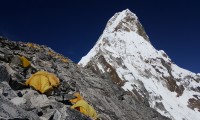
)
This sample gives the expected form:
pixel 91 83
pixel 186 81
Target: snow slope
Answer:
pixel 125 55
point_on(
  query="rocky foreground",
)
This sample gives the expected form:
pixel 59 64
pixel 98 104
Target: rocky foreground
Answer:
pixel 20 101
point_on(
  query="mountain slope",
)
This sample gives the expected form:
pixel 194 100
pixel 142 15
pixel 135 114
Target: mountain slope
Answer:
pixel 21 102
pixel 125 55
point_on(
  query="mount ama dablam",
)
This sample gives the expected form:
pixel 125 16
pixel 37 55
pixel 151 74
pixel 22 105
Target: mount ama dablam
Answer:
pixel 125 55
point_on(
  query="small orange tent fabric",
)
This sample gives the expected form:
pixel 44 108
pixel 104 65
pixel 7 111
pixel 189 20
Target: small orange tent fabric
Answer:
pixel 82 106
pixel 43 81
pixel 78 97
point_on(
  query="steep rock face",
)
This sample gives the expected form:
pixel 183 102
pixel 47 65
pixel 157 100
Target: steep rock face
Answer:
pixel 125 55
pixel 19 101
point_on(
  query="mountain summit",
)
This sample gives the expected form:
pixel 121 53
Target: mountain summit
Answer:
pixel 125 55
pixel 125 21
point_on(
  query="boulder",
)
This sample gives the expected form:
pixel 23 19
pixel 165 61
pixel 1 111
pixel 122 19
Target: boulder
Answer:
pixel 7 91
pixel 4 73
pixel 18 101
pixel 10 111
pixel 34 99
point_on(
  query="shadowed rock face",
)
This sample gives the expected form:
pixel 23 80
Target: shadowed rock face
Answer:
pixel 110 71
pixel 194 103
pixel 19 101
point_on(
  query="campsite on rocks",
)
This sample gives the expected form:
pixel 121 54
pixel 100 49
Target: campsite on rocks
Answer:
pixel 47 101
pixel 122 77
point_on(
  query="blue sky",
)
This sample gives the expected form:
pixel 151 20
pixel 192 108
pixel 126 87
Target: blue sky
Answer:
pixel 72 27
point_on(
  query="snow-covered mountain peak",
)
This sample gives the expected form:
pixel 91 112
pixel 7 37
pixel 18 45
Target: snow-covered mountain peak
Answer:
pixel 124 55
pixel 125 21
pixel 121 25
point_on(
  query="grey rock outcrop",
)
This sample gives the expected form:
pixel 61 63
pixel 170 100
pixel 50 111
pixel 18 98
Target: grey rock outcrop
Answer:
pixel 11 111
pixel 5 76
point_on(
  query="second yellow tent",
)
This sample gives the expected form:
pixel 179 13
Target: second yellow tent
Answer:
pixel 43 81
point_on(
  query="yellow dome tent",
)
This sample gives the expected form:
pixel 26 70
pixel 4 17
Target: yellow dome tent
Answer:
pixel 82 106
pixel 43 81
pixel 24 61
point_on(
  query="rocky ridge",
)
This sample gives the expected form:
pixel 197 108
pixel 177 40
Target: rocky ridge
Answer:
pixel 18 101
